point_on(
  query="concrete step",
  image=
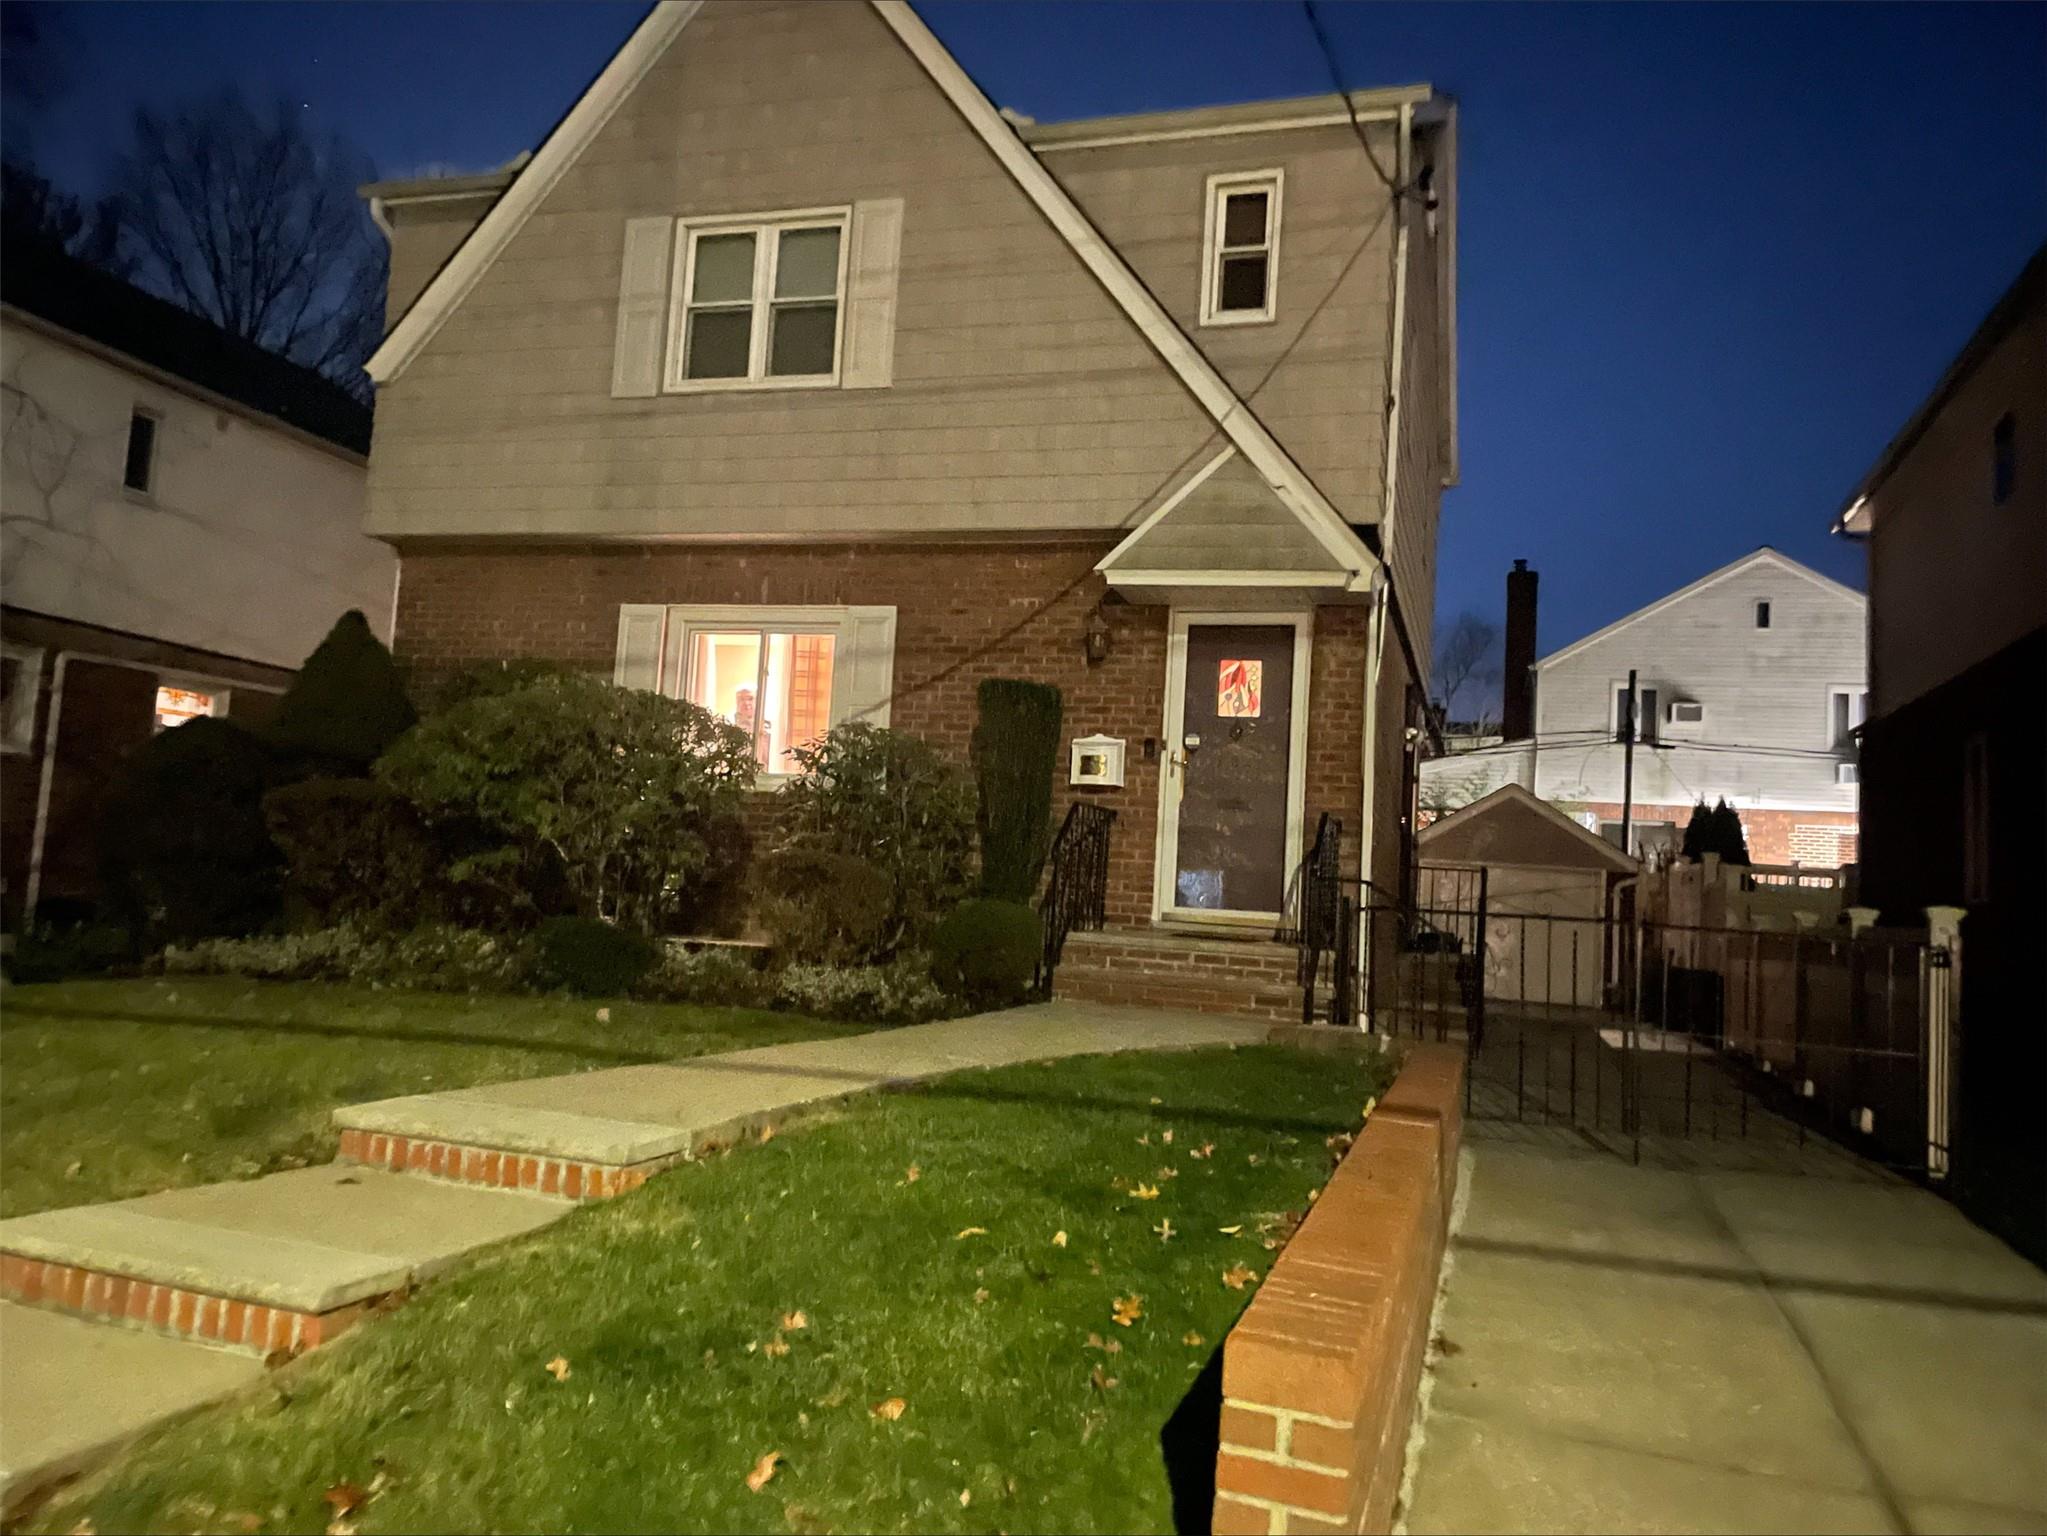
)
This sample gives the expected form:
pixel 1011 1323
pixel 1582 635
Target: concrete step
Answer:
pixel 1222 994
pixel 283 1262
pixel 73 1392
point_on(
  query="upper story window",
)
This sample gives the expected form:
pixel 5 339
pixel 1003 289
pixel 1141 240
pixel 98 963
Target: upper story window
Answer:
pixel 2004 458
pixel 1645 713
pixel 1847 708
pixel 757 301
pixel 1762 615
pixel 1240 249
pixel 139 473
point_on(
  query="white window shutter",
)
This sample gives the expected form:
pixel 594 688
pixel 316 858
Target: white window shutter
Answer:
pixel 866 674
pixel 871 294
pixel 638 664
pixel 642 308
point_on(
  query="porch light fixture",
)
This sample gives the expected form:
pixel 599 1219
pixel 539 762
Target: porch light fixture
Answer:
pixel 1096 643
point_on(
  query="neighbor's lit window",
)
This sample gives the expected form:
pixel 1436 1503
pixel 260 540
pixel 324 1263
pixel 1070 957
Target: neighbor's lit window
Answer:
pixel 774 685
pixel 174 706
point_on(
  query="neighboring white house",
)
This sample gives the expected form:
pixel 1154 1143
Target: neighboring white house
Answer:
pixel 1751 683
pixel 182 524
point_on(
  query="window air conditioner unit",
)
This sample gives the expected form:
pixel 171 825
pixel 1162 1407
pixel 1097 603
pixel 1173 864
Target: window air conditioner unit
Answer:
pixel 1845 773
pixel 1687 712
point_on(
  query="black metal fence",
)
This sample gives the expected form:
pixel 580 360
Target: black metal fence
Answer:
pixel 1628 1031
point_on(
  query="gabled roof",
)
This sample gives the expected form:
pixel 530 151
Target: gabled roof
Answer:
pixel 46 283
pixel 1233 418
pixel 1513 795
pixel 1763 556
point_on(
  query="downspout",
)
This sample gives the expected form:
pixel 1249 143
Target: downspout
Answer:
pixel 46 774
pixel 1383 587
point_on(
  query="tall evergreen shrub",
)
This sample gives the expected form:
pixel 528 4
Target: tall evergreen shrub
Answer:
pixel 1016 752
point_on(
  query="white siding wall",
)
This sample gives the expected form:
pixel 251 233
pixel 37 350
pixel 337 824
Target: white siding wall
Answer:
pixel 249 543
pixel 1765 741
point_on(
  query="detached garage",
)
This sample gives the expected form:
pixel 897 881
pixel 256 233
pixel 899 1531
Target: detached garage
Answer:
pixel 1549 887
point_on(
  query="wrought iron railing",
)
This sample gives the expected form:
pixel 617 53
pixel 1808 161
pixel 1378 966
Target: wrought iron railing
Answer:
pixel 1077 892
pixel 1325 926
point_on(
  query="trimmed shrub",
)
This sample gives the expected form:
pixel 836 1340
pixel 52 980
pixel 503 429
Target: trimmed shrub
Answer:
pixel 885 799
pixel 431 958
pixel 1016 751
pixel 901 992
pixel 348 703
pixel 1717 830
pixel 635 795
pixel 822 906
pixel 354 851
pixel 590 957
pixel 987 952
pixel 718 974
pixel 184 853
pixel 52 952
pixel 488 679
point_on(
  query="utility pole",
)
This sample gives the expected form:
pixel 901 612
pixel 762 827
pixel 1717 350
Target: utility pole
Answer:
pixel 1628 763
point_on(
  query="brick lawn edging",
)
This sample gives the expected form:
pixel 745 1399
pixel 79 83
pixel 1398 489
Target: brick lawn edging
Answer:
pixel 249 1327
pixel 568 1178
pixel 1321 1372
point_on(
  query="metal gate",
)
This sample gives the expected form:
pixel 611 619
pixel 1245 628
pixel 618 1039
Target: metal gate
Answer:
pixel 1623 1032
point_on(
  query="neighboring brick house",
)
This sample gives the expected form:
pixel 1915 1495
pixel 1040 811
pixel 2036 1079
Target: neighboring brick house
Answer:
pixel 183 524
pixel 791 377
pixel 1954 755
pixel 1751 683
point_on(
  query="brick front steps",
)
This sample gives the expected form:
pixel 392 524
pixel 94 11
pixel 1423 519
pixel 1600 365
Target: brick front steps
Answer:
pixel 1320 1374
pixel 495 1168
pixel 282 1263
pixel 1252 977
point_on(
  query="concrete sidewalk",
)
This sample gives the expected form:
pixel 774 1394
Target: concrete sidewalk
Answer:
pixel 263 1264
pixel 1634 1349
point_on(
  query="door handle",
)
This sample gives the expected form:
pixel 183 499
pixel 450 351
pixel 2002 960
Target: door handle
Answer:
pixel 1175 761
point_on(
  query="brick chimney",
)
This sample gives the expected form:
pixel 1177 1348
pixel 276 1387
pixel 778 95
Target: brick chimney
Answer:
pixel 1517 704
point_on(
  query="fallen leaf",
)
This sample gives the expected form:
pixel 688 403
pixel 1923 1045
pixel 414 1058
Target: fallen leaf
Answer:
pixel 1094 1266
pixel 1156 1099
pixel 1099 1381
pixel 1255 1159
pixel 340 1527
pixel 85 1527
pixel 767 1134
pixel 970 1232
pixel 966 1497
pixel 1166 1136
pixel 1144 1140
pixel 795 1322
pixel 1146 1192
pixel 890 1408
pixel 1231 1231
pixel 1058 1239
pixel 1371 1104
pixel 603 1015
pixel 1106 1346
pixel 776 1347
pixel 74 1170
pixel 345 1498
pixel 1164 1230
pixel 833 1398
pixel 1169 1172
pixel 912 1174
pixel 763 1469
pixel 1206 1149
pixel 1237 1276
pixel 1127 1310
pixel 1192 1339
pixel 558 1368
pixel 981 1295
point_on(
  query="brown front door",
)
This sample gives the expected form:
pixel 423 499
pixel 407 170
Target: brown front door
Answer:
pixel 1236 735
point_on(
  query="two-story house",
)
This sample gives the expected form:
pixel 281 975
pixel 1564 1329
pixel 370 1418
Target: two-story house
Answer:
pixel 1750 686
pixel 791 377
pixel 182 524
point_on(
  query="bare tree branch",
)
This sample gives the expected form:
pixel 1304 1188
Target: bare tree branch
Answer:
pixel 250 220
pixel 1467 669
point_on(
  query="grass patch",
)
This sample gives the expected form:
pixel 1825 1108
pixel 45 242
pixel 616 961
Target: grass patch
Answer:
pixel 672 1310
pixel 116 1088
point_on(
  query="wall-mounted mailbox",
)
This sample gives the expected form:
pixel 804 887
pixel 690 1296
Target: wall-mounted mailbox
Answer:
pixel 1097 761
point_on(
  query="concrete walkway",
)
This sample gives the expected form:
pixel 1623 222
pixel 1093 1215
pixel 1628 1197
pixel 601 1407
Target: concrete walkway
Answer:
pixel 1637 1349
pixel 317 1239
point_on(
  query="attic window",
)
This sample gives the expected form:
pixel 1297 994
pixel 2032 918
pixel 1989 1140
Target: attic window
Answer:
pixel 1762 615
pixel 1240 249
pixel 758 302
pixel 140 469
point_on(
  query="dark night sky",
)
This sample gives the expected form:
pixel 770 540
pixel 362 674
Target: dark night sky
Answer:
pixel 1712 255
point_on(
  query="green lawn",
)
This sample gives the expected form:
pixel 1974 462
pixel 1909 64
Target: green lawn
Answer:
pixel 117 1088
pixel 1025 1406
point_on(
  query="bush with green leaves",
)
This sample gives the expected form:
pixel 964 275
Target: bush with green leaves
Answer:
pixel 872 796
pixel 717 974
pixel 355 851
pixel 430 958
pixel 590 957
pixel 487 679
pixel 347 704
pixel 636 795
pixel 987 952
pixel 901 992
pixel 1016 750
pixel 184 852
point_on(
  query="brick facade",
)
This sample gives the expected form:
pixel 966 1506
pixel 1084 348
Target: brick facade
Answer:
pixel 964 612
pixel 1816 839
